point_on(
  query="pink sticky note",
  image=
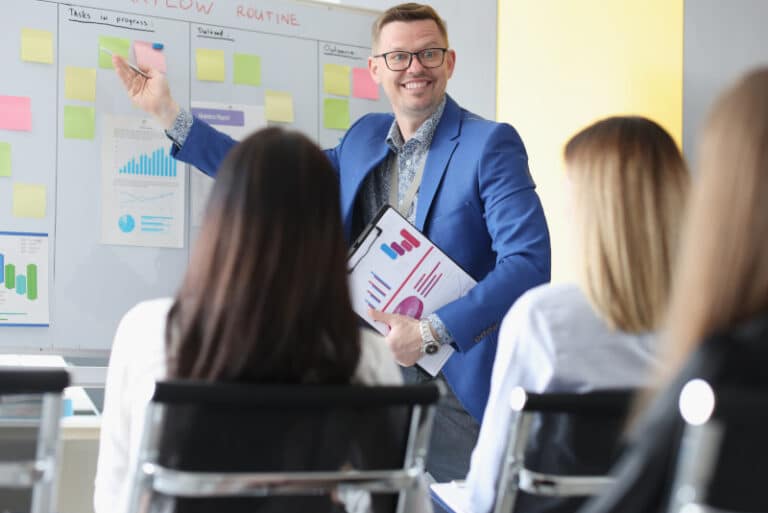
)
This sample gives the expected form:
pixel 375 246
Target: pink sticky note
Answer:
pixel 15 113
pixel 148 57
pixel 363 85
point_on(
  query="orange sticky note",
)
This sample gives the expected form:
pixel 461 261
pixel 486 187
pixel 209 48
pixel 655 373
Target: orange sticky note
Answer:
pixel 363 85
pixel 148 57
pixel 15 113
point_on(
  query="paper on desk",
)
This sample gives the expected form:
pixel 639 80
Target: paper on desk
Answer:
pixel 396 269
pixel 451 496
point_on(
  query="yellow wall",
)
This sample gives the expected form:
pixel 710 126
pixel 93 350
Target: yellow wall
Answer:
pixel 563 64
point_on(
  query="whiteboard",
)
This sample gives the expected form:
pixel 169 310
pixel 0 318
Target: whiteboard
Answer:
pixel 91 284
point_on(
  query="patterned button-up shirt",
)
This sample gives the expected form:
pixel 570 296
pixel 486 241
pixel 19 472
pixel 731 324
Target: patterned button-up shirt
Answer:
pixel 407 158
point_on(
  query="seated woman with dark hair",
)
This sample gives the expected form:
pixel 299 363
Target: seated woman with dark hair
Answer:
pixel 629 186
pixel 264 300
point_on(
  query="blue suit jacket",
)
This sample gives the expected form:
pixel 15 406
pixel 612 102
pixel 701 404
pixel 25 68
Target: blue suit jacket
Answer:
pixel 476 202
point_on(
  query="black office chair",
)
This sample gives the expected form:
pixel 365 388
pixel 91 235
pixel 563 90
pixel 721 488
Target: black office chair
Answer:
pixel 724 450
pixel 264 448
pixel 30 414
pixel 560 450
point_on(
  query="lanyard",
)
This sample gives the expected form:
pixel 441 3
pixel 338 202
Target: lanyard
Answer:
pixel 404 206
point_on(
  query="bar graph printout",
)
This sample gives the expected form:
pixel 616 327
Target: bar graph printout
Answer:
pixel 143 187
pixel 24 279
pixel 396 269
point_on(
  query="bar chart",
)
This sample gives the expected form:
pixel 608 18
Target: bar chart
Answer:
pixel 23 279
pixel 23 284
pixel 159 163
pixel 143 187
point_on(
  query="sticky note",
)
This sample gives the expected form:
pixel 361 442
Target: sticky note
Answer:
pixel 247 69
pixel 210 65
pixel 79 122
pixel 336 113
pixel 36 46
pixel 363 85
pixel 336 79
pixel 15 113
pixel 28 200
pixel 116 45
pixel 149 57
pixel 5 159
pixel 278 106
pixel 80 83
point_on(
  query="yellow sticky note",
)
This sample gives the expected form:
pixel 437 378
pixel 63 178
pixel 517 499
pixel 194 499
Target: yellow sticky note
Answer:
pixel 210 65
pixel 336 79
pixel 28 200
pixel 336 113
pixel 36 46
pixel 80 83
pixel 5 159
pixel 278 106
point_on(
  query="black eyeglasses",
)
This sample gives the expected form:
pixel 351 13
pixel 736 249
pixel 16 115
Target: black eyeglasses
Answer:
pixel 400 60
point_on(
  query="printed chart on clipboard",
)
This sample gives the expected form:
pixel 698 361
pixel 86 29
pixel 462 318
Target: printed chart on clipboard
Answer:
pixel 396 269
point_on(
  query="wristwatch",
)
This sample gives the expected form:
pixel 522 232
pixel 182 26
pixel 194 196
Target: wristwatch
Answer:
pixel 428 343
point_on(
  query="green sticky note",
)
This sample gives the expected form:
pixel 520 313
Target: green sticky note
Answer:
pixel 116 45
pixel 5 159
pixel 336 79
pixel 210 65
pixel 247 69
pixel 36 46
pixel 79 122
pixel 336 113
pixel 278 106
pixel 29 200
pixel 80 83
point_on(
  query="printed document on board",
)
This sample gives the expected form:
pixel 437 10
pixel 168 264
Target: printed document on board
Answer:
pixel 396 269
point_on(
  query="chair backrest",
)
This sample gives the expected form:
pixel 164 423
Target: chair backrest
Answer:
pixel 30 414
pixel 560 449
pixel 723 451
pixel 213 447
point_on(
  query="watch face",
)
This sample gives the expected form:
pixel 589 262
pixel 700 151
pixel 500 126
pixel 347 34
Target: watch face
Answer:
pixel 431 347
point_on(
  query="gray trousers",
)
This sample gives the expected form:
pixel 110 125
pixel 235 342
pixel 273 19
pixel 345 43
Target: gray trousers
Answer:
pixel 454 432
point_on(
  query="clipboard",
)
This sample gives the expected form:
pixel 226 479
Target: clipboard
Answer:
pixel 394 268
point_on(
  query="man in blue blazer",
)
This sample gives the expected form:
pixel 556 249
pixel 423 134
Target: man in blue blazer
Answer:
pixel 462 180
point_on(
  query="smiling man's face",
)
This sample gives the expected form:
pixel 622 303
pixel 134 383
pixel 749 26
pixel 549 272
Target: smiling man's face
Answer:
pixel 414 93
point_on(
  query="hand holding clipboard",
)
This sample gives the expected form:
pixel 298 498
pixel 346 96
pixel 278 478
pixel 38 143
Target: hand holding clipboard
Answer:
pixel 394 268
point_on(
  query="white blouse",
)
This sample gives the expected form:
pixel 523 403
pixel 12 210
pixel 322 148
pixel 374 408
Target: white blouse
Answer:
pixel 551 340
pixel 137 361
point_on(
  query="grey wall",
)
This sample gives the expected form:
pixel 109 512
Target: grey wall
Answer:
pixel 722 40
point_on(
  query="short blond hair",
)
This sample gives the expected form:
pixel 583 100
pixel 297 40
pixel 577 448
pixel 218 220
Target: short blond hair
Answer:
pixel 407 12
pixel 630 184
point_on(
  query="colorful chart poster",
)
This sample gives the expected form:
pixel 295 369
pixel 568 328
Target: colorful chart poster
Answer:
pixel 143 187
pixel 237 121
pixel 24 279
pixel 395 269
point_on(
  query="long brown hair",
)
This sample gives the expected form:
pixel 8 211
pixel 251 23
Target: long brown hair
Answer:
pixel 265 297
pixel 630 188
pixel 722 278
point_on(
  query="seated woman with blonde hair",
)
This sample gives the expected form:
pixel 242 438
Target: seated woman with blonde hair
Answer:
pixel 718 316
pixel 628 187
